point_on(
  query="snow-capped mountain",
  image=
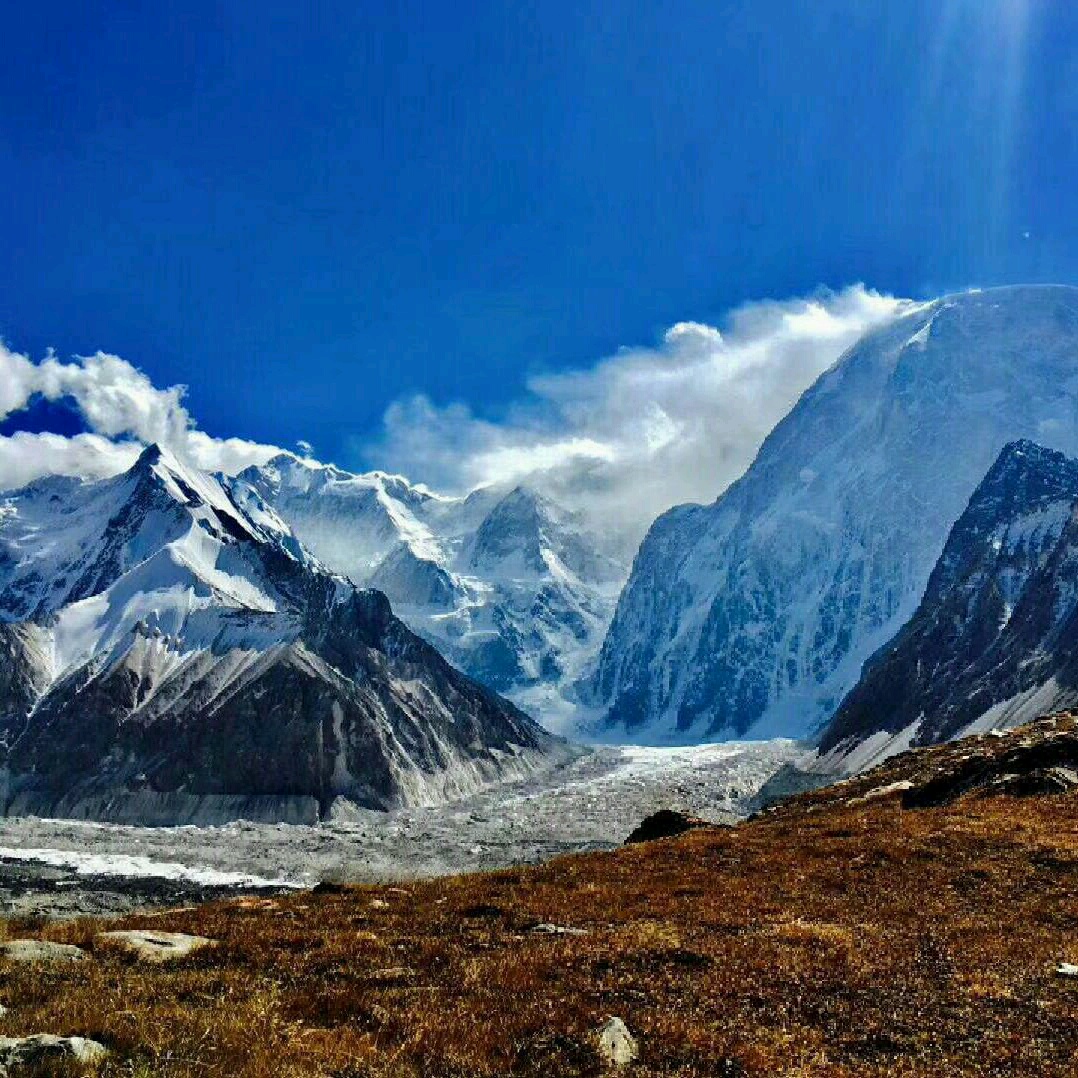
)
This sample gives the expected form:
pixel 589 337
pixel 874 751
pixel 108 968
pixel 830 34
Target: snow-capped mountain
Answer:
pixel 994 642
pixel 511 587
pixel 173 653
pixel 755 614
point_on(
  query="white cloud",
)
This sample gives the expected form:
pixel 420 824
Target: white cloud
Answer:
pixel 624 439
pixel 25 457
pixel 648 427
pixel 123 410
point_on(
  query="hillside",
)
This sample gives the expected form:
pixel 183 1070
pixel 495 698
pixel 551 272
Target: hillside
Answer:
pixel 840 934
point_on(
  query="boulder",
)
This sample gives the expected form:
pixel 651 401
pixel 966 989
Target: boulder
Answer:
pixel 616 1045
pixel 45 1049
pixel 40 951
pixel 666 823
pixel 155 946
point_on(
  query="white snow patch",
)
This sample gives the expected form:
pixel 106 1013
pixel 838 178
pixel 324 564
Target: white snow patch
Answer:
pixel 135 865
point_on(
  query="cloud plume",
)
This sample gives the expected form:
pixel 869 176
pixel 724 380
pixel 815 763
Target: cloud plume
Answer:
pixel 648 427
pixel 623 440
pixel 123 410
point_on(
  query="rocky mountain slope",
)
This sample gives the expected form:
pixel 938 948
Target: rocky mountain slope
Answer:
pixel 174 657
pixel 994 641
pixel 754 615
pixel 510 586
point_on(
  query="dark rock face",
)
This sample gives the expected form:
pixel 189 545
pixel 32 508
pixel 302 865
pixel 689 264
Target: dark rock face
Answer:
pixel 1027 767
pixel 997 630
pixel 666 823
pixel 226 674
pixel 23 674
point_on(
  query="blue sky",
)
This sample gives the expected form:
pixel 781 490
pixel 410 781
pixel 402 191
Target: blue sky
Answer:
pixel 305 216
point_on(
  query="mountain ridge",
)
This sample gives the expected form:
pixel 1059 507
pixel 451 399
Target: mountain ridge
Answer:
pixel 194 662
pixel 994 641
pixel 753 615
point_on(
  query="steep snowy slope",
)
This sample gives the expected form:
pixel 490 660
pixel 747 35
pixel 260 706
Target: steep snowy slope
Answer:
pixel 511 587
pixel 995 639
pixel 755 614
pixel 175 657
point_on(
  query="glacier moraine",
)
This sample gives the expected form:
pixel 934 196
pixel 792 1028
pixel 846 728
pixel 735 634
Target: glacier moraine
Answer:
pixel 68 867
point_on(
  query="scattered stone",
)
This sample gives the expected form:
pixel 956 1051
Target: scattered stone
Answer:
pixel 1067 969
pixel 617 1046
pixel 666 823
pixel 156 946
pixel 548 929
pixel 328 887
pixel 882 791
pixel 393 974
pixel 258 904
pixel 379 904
pixel 43 1049
pixel 40 951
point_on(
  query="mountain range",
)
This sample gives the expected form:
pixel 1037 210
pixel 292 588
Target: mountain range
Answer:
pixel 297 641
pixel 514 589
pixel 753 616
pixel 173 653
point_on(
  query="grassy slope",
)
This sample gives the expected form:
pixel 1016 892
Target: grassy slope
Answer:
pixel 826 938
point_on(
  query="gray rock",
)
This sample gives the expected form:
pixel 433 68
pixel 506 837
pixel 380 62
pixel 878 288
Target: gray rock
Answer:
pixel 45 1048
pixel 1067 969
pixel 40 951
pixel 617 1046
pixel 156 946
pixel 558 930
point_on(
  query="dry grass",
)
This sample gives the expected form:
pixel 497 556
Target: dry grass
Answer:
pixel 824 940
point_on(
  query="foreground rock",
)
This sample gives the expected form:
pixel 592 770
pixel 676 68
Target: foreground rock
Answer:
pixel 617 1046
pixel 1043 762
pixel 666 823
pixel 40 951
pixel 156 946
pixel 1038 760
pixel 44 1049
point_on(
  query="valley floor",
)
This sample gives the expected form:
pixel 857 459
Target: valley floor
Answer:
pixel 843 934
pixel 66 868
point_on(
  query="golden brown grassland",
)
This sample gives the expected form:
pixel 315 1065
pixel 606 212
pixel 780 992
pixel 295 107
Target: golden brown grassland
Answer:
pixel 826 939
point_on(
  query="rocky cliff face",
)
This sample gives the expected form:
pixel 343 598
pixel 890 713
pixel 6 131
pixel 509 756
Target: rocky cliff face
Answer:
pixel 174 658
pixel 506 583
pixel 754 615
pixel 994 641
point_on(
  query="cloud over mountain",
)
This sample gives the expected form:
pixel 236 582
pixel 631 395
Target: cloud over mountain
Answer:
pixel 121 407
pixel 647 427
pixel 624 439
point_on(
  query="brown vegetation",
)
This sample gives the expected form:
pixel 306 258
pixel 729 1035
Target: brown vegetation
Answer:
pixel 837 936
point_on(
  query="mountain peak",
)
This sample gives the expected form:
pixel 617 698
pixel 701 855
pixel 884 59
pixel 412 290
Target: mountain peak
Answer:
pixel 1024 474
pixel 150 456
pixel 757 612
